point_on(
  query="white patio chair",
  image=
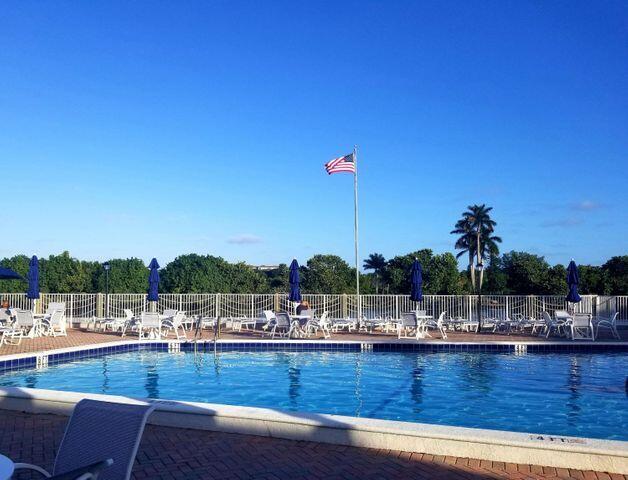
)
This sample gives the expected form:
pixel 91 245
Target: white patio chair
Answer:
pixel 282 325
pixel 10 334
pixel 149 322
pixel 269 318
pixel 117 324
pixel 610 323
pixel 408 324
pixel 581 327
pixel 437 324
pixel 316 324
pixel 552 325
pixel 174 324
pixel 55 324
pixel 25 321
pixel 100 442
pixel 131 322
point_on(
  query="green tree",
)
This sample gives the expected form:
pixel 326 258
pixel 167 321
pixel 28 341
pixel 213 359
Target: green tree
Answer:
pixel 527 273
pixel 377 263
pixel 19 264
pixel 208 274
pixel 278 279
pixel 129 275
pixel 64 274
pixel 616 275
pixel 440 273
pixel 328 274
pixel 592 280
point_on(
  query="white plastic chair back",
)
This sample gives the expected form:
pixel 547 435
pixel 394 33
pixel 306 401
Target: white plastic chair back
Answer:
pixel 408 320
pixel 441 319
pixel 581 320
pixel 269 315
pixel 55 306
pixel 56 318
pixel 150 320
pixel 283 320
pixel 421 313
pixel 546 318
pixel 324 320
pixel 129 313
pixel 169 313
pixel 177 320
pixel 24 318
pixel 562 316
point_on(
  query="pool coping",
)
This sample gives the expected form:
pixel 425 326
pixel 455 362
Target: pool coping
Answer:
pixel 524 448
pixel 30 359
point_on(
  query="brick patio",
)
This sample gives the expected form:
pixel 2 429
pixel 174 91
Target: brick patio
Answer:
pixel 175 453
pixel 77 337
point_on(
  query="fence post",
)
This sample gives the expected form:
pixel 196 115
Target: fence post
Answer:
pixel 99 305
pixel 343 304
pixel 217 306
pixel 276 302
pixel 397 307
pixel 507 308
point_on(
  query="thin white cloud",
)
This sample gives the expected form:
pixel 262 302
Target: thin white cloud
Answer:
pixel 586 206
pixel 244 239
pixel 565 222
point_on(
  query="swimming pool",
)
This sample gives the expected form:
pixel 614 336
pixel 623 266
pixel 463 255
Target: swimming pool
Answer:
pixel 556 393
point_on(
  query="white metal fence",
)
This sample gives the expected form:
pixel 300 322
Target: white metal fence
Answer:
pixel 80 306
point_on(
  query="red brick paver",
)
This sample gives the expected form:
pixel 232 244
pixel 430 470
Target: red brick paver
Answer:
pixel 176 453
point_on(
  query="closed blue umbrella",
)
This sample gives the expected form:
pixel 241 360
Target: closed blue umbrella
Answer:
pixel 8 274
pixel 153 281
pixel 33 279
pixel 295 291
pixel 416 282
pixel 573 279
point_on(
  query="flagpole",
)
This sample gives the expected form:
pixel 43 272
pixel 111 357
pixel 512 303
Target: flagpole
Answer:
pixel 355 232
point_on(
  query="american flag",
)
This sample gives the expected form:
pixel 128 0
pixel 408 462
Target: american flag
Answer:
pixel 341 164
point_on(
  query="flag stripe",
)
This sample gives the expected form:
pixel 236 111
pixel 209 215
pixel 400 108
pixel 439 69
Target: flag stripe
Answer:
pixel 341 164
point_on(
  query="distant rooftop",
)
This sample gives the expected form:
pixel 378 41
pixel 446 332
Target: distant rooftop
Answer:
pixel 265 268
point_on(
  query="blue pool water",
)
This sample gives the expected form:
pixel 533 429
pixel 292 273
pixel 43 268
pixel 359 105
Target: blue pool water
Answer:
pixel 560 394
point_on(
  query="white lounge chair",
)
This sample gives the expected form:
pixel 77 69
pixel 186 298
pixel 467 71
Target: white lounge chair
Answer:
pixel 55 324
pixel 9 333
pixel 581 327
pixel 438 324
pixel 316 324
pixel 348 324
pixel 370 324
pixel 174 324
pixel 553 325
pixel 610 323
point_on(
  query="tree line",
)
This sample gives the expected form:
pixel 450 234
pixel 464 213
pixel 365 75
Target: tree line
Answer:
pixel 511 273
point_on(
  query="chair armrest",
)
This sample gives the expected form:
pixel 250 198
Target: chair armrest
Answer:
pixel 28 466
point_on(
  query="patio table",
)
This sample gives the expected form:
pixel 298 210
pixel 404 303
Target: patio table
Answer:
pixel 6 468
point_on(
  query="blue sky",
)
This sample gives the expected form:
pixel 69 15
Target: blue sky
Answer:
pixel 162 128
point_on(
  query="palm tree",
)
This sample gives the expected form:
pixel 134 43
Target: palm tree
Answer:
pixel 476 228
pixel 377 263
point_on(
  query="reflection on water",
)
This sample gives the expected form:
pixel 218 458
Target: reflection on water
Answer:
pixel 105 375
pixel 416 387
pixel 152 381
pixel 574 382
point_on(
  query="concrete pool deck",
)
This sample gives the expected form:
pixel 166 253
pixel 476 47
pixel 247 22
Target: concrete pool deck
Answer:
pixel 168 453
